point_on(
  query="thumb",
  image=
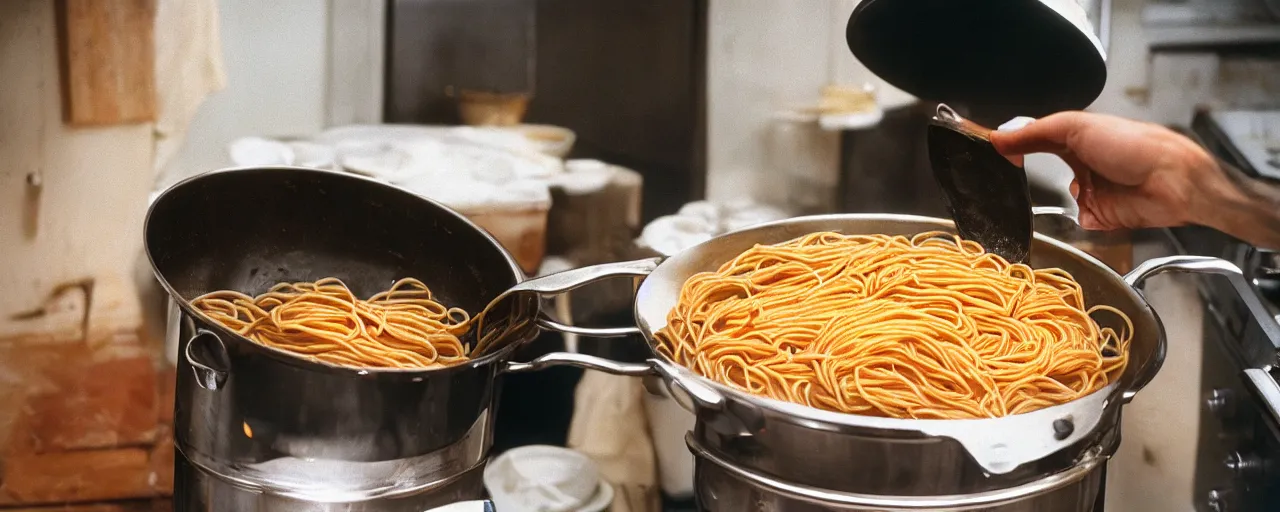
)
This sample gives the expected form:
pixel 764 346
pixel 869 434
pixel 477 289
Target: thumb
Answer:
pixel 1048 135
pixel 1011 126
pixel 1089 220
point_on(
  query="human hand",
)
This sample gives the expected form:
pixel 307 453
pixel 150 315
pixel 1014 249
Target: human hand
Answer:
pixel 1128 174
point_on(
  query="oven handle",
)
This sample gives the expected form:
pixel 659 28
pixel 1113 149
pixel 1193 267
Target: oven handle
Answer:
pixel 1266 387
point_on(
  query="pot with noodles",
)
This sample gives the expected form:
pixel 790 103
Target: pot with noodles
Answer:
pixel 860 356
pixel 329 352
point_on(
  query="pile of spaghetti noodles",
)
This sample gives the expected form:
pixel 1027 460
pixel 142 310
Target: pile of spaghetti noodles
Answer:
pixel 403 327
pixel 929 327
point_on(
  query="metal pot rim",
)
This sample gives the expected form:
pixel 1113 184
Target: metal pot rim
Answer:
pixel 292 359
pixel 807 416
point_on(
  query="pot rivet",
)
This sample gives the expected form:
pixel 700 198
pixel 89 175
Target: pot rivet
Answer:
pixel 1063 428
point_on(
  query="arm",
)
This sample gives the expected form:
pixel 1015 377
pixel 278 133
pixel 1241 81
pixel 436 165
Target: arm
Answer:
pixel 1241 206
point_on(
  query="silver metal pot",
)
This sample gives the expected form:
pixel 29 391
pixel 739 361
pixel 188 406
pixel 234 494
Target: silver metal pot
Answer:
pixel 895 457
pixel 254 423
pixel 724 487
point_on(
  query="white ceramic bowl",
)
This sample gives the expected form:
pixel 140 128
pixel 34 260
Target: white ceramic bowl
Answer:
pixel 550 140
pixel 542 478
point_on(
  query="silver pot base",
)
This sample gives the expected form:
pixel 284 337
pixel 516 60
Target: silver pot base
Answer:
pixel 719 491
pixel 720 486
pixel 196 490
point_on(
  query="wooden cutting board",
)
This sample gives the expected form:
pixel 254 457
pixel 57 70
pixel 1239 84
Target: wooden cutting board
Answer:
pixel 106 52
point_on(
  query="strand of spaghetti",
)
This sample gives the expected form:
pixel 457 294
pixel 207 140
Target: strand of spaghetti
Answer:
pixel 402 327
pixel 929 326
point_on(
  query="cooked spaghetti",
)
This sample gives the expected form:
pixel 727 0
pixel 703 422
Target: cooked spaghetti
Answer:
pixel 928 327
pixel 403 327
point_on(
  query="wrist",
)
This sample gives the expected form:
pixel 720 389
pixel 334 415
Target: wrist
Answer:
pixel 1215 200
pixel 1236 204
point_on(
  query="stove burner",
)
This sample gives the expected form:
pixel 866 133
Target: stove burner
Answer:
pixel 1253 137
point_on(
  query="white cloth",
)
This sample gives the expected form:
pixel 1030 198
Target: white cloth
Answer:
pixel 609 426
pixel 188 69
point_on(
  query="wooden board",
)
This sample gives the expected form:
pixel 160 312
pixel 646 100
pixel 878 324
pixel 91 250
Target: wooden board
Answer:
pixel 106 52
pixel 87 476
pixel 87 424
pixel 156 505
pixel 102 405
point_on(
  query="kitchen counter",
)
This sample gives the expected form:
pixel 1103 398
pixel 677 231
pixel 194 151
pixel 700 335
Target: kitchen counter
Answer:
pixel 86 426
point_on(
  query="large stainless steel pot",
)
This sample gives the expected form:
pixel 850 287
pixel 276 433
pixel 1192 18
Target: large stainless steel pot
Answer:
pixel 724 487
pixel 266 422
pixel 885 456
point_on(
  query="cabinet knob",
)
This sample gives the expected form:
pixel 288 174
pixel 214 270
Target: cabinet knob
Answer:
pixel 1245 466
pixel 1217 500
pixel 1221 403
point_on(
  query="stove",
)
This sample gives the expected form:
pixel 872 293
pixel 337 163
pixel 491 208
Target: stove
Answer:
pixel 1238 451
pixel 1248 139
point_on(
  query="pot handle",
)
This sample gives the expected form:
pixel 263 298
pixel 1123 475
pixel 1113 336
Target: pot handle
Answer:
pixel 690 393
pixel 1137 279
pixel 208 359
pixel 582 361
pixel 1188 265
pixel 568 280
pixel 1200 265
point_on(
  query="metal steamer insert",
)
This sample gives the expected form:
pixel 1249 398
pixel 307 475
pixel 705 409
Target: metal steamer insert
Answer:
pixel 755 453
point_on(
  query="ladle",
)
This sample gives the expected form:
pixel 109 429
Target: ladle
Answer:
pixel 987 195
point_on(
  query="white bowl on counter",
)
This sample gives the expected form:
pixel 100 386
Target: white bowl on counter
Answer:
pixel 550 140
pixel 542 478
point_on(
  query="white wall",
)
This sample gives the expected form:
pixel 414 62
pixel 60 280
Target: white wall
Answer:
pixel 275 56
pixel 762 57
pixel 84 222
pixel 765 57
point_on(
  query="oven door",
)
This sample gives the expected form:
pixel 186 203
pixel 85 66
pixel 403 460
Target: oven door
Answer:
pixel 1238 438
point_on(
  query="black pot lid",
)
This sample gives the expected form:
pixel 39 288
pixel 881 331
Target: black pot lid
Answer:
pixel 996 57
